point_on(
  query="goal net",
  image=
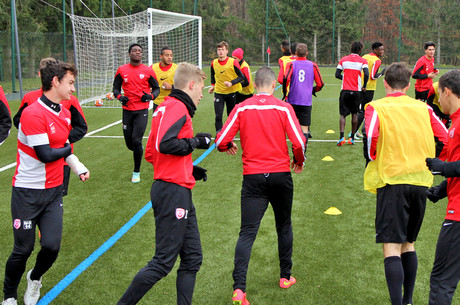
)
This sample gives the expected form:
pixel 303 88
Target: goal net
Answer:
pixel 102 46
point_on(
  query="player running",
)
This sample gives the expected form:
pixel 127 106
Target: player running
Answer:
pixel 78 121
pixel 401 132
pixel 424 72
pixel 169 149
pixel 266 173
pixel 164 71
pixel 36 198
pixel 136 80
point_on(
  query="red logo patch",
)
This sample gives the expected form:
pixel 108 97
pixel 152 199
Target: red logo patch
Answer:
pixel 180 213
pixel 17 223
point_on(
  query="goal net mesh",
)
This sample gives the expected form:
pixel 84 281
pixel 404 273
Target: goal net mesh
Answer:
pixel 102 46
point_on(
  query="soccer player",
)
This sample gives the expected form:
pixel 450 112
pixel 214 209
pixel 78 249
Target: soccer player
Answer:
pixel 78 121
pixel 136 80
pixel 266 173
pixel 401 132
pixel 164 71
pixel 446 268
pixel 169 149
pixel 352 85
pixel 5 117
pixel 424 72
pixel 247 91
pixel 373 61
pixel 300 76
pixel 226 80
pixel 36 198
pixel 283 60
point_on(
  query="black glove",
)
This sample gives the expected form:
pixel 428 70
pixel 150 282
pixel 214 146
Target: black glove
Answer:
pixel 436 166
pixel 124 100
pixel 314 91
pixel 199 173
pixel 147 97
pixel 437 192
pixel 203 140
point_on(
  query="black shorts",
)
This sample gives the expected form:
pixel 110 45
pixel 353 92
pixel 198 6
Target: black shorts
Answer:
pixel 421 95
pixel 367 97
pixel 349 102
pixel 399 213
pixel 446 268
pixel 303 114
pixel 242 97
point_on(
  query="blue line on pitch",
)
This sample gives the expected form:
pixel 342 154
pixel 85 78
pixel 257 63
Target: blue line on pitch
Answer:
pixel 69 278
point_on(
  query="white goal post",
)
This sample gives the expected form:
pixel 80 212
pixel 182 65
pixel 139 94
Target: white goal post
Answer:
pixel 101 46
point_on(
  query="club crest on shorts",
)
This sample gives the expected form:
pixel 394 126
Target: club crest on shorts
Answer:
pixel 17 223
pixel 180 213
pixel 27 224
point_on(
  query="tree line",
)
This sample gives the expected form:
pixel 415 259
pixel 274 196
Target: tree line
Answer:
pixel 328 27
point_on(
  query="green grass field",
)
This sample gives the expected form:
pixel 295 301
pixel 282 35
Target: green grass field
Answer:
pixel 335 259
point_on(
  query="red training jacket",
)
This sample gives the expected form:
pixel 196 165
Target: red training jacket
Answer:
pixel 263 122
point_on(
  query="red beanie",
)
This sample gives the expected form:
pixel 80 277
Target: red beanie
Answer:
pixel 238 53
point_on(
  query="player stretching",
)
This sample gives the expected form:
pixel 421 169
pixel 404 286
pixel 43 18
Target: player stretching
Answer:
pixel 226 80
pixel 300 76
pixel 266 173
pixel 401 133
pixel 36 198
pixel 164 71
pixel 446 268
pixel 424 72
pixel 136 80
pixel 352 85
pixel 169 149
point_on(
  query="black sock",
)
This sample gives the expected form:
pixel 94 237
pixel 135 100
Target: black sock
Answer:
pixel 352 136
pixel 409 263
pixel 394 274
pixel 342 134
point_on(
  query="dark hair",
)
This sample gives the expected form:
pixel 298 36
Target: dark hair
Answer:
pixel 376 45
pixel 429 44
pixel 356 47
pixel 51 69
pixel 302 50
pixel 451 80
pixel 164 49
pixel 134 45
pixel 397 75
pixel 285 45
pixel 293 47
pixel 222 44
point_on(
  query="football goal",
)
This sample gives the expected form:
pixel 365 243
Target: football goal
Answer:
pixel 101 46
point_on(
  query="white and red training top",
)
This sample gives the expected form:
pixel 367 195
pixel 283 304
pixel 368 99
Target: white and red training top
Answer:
pixel 263 122
pixel 352 65
pixel 40 125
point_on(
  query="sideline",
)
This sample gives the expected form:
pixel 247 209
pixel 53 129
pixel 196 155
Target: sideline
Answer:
pixel 69 278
